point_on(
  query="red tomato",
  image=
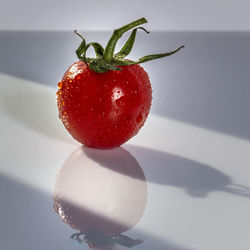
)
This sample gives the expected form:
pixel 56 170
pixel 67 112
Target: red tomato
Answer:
pixel 104 101
pixel 104 110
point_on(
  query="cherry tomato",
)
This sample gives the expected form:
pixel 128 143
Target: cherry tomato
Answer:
pixel 104 101
pixel 104 110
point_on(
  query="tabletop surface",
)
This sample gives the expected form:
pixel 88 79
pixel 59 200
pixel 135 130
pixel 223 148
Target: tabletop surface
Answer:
pixel 182 183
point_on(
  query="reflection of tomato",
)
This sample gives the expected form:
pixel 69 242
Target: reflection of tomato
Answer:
pixel 100 191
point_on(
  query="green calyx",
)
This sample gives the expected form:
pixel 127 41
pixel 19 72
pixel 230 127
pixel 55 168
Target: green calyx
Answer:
pixel 106 59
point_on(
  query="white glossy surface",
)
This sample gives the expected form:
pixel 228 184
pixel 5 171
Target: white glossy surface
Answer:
pixel 194 149
pixel 197 179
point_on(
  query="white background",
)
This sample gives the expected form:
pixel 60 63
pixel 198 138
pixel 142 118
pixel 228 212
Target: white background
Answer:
pixel 105 15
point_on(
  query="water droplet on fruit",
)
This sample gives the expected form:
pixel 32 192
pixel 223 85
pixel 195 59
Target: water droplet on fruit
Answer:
pixel 55 207
pixel 120 102
pixel 139 118
pixel 60 85
pixel 91 109
pixel 66 124
pixel 61 213
pixel 117 94
pixel 64 113
pixel 78 77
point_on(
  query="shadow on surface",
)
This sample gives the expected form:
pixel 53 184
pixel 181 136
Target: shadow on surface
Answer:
pixel 27 219
pixel 84 190
pixel 196 179
pixel 206 84
pixel 96 201
pixel 33 106
pixel 41 57
pixel 29 223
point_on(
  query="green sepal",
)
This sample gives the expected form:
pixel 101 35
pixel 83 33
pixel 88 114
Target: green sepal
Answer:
pixel 101 66
pixel 82 46
pixel 122 62
pixel 126 49
pixel 97 47
pixel 106 59
pixel 156 56
pixel 117 34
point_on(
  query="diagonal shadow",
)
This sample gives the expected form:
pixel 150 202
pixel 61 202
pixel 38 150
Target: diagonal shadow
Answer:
pixel 39 56
pixel 196 179
pixel 98 202
pixel 33 106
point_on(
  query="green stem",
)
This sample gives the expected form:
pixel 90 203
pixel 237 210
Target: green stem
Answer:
pixel 82 46
pixel 156 56
pixel 126 49
pixel 110 48
pixel 121 62
pixel 106 59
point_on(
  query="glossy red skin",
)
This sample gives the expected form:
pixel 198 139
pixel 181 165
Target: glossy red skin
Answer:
pixel 104 110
